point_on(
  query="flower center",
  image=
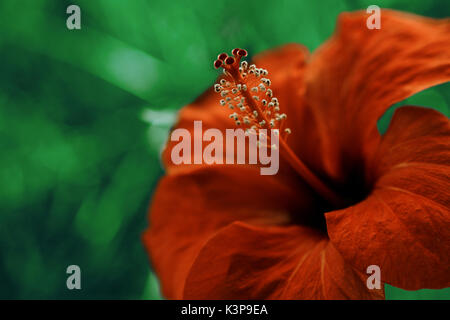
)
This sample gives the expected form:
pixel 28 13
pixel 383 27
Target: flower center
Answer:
pixel 245 89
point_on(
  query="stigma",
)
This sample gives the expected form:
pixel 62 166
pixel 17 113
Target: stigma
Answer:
pixel 245 89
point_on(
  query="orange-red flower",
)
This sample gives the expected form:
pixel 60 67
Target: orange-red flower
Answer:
pixel 227 232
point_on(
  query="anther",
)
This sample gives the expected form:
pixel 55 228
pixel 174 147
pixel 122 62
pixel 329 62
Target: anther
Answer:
pixel 266 81
pixel 234 116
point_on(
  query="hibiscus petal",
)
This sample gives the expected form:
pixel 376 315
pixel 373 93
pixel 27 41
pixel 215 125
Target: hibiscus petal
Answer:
pixel 243 261
pixel 205 108
pixel 359 73
pixel 190 207
pixel 404 225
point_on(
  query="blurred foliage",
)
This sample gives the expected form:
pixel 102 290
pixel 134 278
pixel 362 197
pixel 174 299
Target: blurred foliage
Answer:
pixel 84 114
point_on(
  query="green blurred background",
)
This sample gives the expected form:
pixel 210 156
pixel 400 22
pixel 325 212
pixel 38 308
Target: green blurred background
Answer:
pixel 84 114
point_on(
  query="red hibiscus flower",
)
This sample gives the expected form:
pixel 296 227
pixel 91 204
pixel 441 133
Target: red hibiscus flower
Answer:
pixel 345 197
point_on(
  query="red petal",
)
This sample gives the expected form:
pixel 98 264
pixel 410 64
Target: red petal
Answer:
pixel 404 225
pixel 205 108
pixel 249 262
pixel 359 73
pixel 189 208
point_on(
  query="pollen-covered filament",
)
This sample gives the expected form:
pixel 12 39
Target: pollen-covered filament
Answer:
pixel 245 90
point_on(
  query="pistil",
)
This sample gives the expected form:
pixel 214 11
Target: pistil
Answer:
pixel 246 90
